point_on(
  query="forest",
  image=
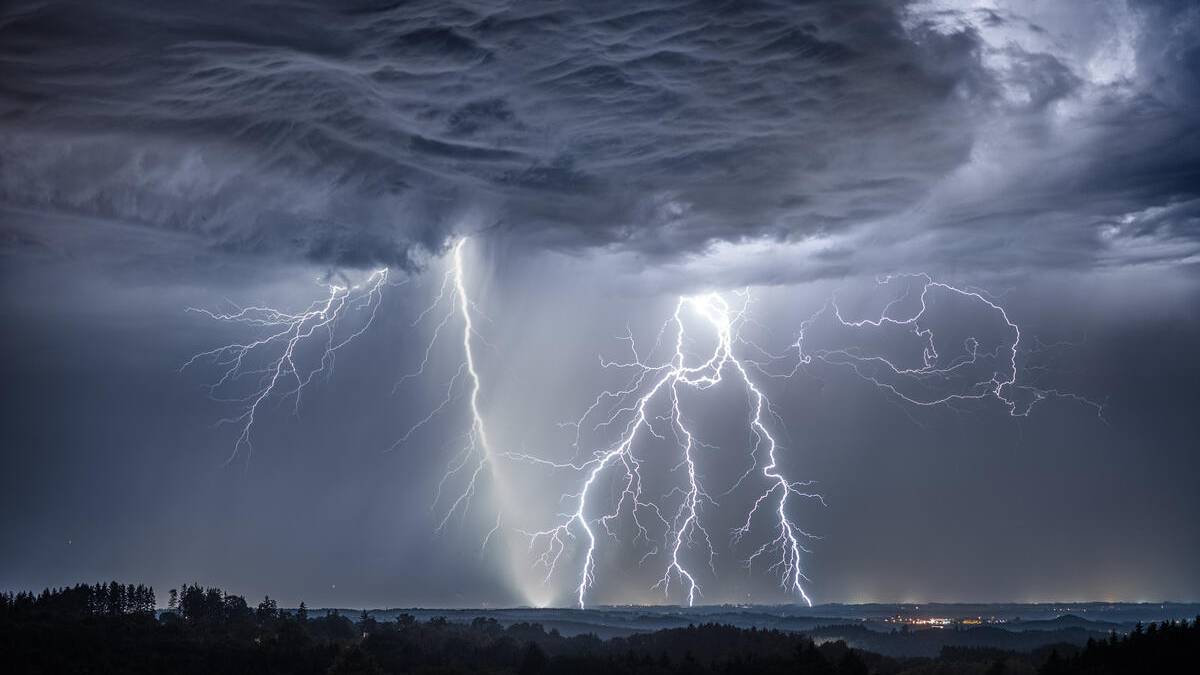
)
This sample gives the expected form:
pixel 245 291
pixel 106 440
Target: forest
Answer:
pixel 117 628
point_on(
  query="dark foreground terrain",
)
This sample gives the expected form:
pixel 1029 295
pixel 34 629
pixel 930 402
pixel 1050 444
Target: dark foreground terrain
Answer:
pixel 114 628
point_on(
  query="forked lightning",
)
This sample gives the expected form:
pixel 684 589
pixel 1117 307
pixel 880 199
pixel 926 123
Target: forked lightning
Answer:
pixel 673 525
pixel 271 365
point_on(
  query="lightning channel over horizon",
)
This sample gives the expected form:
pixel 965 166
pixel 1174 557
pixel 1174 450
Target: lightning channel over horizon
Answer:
pixel 1001 371
pixel 972 373
pixel 476 455
pixel 683 527
pixel 652 407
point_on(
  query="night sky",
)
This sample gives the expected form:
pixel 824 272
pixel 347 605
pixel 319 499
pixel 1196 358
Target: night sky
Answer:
pixel 603 159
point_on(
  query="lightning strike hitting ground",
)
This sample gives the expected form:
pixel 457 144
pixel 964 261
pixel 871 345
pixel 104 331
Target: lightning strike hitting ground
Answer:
pixel 271 365
pixel 673 524
pixel 683 527
pixel 943 382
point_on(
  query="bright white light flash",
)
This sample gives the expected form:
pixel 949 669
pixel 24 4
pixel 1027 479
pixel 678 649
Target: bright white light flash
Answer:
pixel 945 381
pixel 673 525
pixel 683 526
pixel 476 453
pixel 272 365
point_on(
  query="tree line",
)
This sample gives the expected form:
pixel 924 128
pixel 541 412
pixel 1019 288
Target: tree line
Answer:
pixel 1167 647
pixel 114 628
pixel 111 599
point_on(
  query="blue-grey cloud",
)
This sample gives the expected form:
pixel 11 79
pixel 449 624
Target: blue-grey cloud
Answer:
pixel 353 134
pixel 362 133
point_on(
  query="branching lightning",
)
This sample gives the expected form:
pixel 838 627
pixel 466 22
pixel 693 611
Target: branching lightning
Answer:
pixel 476 453
pixel 683 526
pixel 271 365
pixel 954 379
pixel 1000 383
pixel 673 526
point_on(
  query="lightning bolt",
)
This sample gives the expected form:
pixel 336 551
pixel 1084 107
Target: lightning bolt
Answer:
pixel 673 525
pixel 271 365
pixel 683 526
pixel 1000 366
pixel 476 454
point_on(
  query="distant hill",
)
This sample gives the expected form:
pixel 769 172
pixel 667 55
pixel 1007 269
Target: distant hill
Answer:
pixel 1066 621
pixel 116 628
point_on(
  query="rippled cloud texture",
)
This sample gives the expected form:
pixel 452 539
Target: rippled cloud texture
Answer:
pixel 361 133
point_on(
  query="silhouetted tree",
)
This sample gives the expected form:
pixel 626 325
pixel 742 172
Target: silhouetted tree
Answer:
pixel 533 660
pixel 355 661
pixel 366 623
pixel 267 610
pixel 851 664
pixel 74 629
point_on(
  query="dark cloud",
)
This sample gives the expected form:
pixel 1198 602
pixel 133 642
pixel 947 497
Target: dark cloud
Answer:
pixel 1092 121
pixel 350 134
pixel 359 134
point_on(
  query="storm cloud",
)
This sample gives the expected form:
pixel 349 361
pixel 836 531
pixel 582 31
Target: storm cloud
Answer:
pixel 369 133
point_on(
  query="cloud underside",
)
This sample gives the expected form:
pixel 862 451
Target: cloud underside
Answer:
pixel 361 134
